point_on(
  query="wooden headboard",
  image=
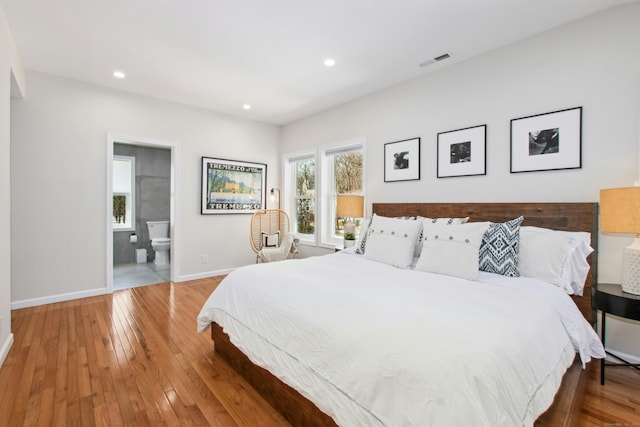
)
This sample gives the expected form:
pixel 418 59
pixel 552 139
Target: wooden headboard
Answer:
pixel 559 216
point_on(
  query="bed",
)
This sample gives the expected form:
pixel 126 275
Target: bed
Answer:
pixel 332 374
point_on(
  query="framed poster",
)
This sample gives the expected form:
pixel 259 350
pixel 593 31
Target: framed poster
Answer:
pixel 231 186
pixel 402 160
pixel 549 141
pixel 462 152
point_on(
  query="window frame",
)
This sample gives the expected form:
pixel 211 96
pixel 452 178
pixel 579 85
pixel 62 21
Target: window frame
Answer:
pixel 130 198
pixel 290 196
pixel 325 189
pixel 328 216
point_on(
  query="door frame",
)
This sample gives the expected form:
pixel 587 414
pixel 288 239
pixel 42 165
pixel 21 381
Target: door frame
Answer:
pixel 174 216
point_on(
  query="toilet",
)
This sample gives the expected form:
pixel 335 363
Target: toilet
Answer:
pixel 160 240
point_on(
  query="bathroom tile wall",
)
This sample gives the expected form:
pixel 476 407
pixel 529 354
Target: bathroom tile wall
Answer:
pixel 153 198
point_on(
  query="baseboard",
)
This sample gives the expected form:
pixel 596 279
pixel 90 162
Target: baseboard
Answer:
pixel 32 302
pixel 628 357
pixel 186 278
pixel 4 351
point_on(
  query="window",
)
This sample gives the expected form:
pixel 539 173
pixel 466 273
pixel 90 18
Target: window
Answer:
pixel 344 166
pixel 312 182
pixel 124 183
pixel 302 207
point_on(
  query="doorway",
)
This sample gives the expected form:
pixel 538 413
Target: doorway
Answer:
pixel 153 197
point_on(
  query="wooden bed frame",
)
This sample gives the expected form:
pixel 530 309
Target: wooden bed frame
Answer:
pixel 299 411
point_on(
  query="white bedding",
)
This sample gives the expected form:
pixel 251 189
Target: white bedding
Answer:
pixel 371 344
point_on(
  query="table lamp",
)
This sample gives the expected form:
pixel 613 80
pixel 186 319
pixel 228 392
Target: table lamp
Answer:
pixel 349 206
pixel 620 213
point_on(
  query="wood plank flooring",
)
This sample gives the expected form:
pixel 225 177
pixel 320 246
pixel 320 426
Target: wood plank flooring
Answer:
pixel 133 358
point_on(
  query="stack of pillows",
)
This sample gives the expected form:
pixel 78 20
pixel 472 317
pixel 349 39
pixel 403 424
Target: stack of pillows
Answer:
pixel 456 247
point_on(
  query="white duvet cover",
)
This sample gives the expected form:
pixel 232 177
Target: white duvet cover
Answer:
pixel 374 345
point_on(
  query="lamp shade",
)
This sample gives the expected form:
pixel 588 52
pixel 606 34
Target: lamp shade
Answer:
pixel 620 213
pixel 620 210
pixel 350 206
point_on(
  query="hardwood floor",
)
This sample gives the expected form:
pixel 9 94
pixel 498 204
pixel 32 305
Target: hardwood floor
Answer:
pixel 617 403
pixel 130 358
pixel 134 358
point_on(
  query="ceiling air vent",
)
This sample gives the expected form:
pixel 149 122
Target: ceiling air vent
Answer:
pixel 434 60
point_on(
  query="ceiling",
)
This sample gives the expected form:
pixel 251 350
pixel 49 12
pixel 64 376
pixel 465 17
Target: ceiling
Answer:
pixel 222 54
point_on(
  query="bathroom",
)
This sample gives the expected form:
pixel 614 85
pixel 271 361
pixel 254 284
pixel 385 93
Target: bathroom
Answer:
pixel 135 261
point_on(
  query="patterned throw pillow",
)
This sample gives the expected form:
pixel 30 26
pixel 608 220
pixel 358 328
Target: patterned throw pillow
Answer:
pixel 361 243
pixel 499 248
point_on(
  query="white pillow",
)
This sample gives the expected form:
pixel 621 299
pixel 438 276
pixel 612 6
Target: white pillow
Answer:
pixel 271 240
pixel 392 240
pixel 451 249
pixel 390 250
pixel 558 257
pixel 544 256
pixel 447 221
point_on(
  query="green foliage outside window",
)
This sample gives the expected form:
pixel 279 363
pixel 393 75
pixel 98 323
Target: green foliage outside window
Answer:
pixel 348 172
pixel 348 180
pixel 305 192
pixel 119 209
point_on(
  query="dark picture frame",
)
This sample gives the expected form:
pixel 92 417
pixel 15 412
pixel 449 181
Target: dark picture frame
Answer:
pixel 402 160
pixel 232 186
pixel 549 141
pixel 462 152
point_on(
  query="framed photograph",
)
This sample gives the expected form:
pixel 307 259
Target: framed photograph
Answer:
pixel 549 141
pixel 230 186
pixel 462 152
pixel 402 160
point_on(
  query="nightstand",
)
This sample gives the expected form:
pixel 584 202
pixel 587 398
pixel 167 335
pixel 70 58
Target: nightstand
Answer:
pixel 609 298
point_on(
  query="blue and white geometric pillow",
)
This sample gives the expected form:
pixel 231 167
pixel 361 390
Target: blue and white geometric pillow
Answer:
pixel 499 249
pixel 361 243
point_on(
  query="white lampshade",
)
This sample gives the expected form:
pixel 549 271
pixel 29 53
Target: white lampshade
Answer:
pixel 620 213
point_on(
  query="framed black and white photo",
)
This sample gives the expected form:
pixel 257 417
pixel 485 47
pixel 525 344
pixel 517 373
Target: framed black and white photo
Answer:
pixel 549 141
pixel 231 186
pixel 402 160
pixel 462 152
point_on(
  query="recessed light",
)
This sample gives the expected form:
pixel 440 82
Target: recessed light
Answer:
pixel 118 74
pixel 246 107
pixel 329 62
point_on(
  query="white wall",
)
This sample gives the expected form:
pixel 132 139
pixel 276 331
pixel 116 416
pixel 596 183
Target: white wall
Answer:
pixel 58 173
pixel 593 63
pixel 11 84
